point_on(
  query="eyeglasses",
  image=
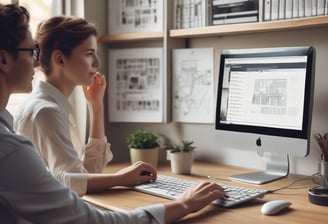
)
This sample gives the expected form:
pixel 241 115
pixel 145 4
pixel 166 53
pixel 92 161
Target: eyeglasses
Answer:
pixel 35 52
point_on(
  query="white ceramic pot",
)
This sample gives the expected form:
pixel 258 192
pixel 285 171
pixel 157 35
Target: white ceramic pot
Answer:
pixel 181 162
pixel 145 155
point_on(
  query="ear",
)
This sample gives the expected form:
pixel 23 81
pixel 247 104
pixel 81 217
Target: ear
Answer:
pixel 58 58
pixel 4 60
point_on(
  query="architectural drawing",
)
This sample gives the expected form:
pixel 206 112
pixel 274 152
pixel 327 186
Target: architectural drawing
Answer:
pixel 193 89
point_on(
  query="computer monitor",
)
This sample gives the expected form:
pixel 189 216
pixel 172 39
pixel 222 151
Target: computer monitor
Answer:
pixel 264 103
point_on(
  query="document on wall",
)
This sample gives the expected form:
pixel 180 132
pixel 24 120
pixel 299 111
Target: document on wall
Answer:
pixel 136 85
pixel 193 88
pixel 135 16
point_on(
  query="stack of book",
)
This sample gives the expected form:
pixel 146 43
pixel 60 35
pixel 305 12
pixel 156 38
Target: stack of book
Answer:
pixel 191 13
pixel 290 9
pixel 234 11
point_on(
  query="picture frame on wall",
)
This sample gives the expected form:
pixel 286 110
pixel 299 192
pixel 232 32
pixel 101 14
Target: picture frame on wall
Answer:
pixel 136 85
pixel 130 16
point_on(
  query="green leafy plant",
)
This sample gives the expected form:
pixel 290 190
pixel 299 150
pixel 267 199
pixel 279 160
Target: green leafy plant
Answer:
pixel 184 146
pixel 143 140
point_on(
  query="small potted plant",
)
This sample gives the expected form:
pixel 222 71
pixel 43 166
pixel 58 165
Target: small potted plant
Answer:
pixel 181 156
pixel 143 147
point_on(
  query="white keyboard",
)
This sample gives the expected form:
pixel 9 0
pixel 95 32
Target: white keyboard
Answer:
pixel 172 187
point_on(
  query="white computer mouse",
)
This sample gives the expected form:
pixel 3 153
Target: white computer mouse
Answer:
pixel 275 206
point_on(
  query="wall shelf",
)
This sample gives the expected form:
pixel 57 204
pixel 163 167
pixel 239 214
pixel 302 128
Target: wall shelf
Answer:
pixel 131 37
pixel 245 28
pixel 222 30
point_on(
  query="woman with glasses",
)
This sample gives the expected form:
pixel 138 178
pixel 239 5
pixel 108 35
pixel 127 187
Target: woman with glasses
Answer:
pixel 28 191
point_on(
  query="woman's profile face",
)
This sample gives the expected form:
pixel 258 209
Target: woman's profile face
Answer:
pixel 83 63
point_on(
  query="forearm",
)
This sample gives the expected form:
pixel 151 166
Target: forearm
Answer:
pixel 97 128
pixel 101 182
pixel 175 210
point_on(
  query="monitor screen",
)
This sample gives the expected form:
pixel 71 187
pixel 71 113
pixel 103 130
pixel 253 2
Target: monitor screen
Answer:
pixel 267 92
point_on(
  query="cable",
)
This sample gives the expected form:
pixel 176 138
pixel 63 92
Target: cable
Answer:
pixel 288 186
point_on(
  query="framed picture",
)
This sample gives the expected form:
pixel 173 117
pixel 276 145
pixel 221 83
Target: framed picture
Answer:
pixel 129 16
pixel 136 85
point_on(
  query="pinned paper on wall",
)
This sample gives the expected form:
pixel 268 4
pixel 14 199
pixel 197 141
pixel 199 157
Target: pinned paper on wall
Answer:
pixel 193 89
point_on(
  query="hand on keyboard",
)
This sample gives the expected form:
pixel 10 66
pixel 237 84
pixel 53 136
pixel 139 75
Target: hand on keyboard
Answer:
pixel 137 173
pixel 200 195
pixel 173 187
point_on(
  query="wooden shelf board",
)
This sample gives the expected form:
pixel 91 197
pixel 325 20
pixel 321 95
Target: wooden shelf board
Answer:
pixel 242 28
pixel 130 37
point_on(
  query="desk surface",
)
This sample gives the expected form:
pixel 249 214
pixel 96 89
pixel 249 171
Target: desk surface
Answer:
pixel 301 210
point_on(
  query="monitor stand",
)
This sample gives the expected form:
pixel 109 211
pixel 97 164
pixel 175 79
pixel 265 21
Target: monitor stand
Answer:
pixel 277 167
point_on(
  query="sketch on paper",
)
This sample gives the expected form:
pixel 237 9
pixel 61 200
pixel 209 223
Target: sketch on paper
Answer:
pixel 193 89
pixel 136 85
pixel 128 16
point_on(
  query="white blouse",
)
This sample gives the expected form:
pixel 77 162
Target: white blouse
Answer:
pixel 46 118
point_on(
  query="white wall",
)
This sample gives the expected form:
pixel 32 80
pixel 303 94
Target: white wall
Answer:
pixel 206 138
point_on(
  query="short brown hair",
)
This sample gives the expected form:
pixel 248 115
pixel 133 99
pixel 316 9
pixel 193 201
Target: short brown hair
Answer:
pixel 63 33
pixel 14 22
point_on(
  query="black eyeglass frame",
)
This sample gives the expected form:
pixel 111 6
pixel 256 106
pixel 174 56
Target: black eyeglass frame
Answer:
pixel 35 51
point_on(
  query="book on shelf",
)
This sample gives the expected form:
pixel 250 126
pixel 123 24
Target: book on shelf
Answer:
pixel 190 13
pixel 235 11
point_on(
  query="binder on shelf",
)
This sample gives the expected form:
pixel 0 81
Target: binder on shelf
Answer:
pixel 308 8
pixel 295 9
pixel 289 9
pixel 320 7
pixel 261 10
pixel 274 9
pixel 282 9
pixel 314 7
pixel 235 20
pixel 326 7
pixel 234 11
pixel 301 8
pixel 267 10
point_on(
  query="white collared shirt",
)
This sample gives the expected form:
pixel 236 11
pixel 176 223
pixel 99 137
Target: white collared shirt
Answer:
pixel 46 118
pixel 30 194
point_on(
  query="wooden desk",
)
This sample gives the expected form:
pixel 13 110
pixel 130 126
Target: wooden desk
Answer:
pixel 301 210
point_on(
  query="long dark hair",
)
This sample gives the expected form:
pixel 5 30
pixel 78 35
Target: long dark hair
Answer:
pixel 63 33
pixel 14 23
